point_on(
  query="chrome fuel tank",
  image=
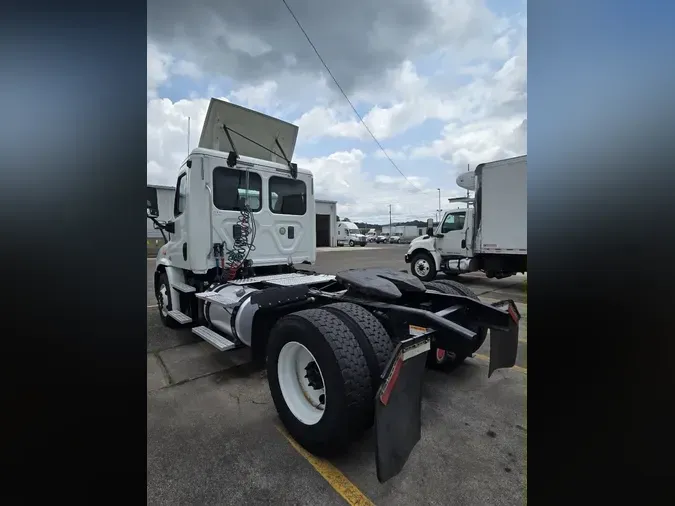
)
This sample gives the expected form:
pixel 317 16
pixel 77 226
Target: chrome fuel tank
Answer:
pixel 235 320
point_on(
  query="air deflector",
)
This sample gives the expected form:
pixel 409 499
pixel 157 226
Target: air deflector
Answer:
pixel 244 124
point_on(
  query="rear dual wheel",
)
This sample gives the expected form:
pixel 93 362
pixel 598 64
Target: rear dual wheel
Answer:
pixel 323 368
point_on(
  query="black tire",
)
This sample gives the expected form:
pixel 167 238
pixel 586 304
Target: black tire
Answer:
pixel 468 292
pixel 351 243
pixel 418 257
pixel 373 339
pixel 363 245
pixel 463 289
pixel 166 319
pixel 349 392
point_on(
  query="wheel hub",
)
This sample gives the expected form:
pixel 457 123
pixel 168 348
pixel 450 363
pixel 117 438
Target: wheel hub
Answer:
pixel 422 267
pixel 163 300
pixel 313 376
pixel 301 382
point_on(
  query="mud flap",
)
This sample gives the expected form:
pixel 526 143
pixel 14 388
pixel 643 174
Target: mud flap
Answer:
pixel 504 343
pixel 398 406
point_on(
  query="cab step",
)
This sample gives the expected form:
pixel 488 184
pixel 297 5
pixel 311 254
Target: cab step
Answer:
pixel 180 317
pixel 183 287
pixel 214 338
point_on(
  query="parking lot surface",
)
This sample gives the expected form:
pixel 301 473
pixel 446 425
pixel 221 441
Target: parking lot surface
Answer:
pixel 214 436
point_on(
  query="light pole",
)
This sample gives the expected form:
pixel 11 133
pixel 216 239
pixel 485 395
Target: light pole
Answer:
pixel 439 205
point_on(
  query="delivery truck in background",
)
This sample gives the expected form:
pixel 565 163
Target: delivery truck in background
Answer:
pixel 488 235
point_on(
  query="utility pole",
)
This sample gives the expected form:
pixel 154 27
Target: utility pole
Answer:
pixel 188 135
pixel 390 234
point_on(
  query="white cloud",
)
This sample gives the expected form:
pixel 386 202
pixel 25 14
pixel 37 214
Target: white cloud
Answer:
pixel 187 69
pixel 158 68
pixel 456 63
pixel 262 96
pixel 168 135
pixel 361 197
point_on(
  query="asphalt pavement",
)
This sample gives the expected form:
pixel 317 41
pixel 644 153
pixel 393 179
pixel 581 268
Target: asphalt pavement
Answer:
pixel 214 436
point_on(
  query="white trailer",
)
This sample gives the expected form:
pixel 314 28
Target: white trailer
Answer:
pixel 490 235
pixel 343 352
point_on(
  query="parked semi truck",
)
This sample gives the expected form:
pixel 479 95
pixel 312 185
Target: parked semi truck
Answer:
pixel 343 352
pixel 489 235
pixel 349 234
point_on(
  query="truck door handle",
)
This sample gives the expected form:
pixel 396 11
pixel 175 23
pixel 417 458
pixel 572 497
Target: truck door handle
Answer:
pixel 463 244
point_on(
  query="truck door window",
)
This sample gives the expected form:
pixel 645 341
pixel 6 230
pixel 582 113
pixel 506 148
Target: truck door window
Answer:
pixel 181 195
pixel 453 222
pixel 291 196
pixel 230 192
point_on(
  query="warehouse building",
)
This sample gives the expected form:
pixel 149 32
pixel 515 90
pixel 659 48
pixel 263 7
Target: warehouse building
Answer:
pixel 326 223
pixel 162 198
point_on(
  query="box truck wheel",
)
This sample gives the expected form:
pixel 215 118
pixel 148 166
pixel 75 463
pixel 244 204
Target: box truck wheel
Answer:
pixel 164 305
pixel 319 380
pixel 423 266
pixel 351 243
pixel 373 339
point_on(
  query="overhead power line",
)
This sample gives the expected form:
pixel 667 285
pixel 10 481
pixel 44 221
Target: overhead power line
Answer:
pixel 347 98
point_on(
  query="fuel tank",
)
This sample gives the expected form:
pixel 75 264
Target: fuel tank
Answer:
pixel 235 319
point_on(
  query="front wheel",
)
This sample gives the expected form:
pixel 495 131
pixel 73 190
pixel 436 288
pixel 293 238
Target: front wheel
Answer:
pixel 422 266
pixel 351 244
pixel 164 303
pixel 319 380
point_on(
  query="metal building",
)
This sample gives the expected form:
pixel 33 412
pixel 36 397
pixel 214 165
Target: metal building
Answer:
pixel 326 223
pixel 163 196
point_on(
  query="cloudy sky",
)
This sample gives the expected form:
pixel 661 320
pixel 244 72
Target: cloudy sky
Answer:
pixel 440 83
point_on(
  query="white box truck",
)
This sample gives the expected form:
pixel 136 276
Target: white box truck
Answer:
pixel 490 235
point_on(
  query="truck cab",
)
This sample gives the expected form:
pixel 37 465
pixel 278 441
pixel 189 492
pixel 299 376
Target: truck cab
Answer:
pixel 349 234
pixel 450 240
pixel 249 208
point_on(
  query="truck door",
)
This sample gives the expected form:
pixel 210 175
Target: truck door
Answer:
pixel 454 234
pixel 177 246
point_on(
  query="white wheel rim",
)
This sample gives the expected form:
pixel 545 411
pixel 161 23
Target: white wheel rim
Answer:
pixel 422 267
pixel 164 300
pixel 302 398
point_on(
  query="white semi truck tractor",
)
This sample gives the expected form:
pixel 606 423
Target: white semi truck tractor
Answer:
pixel 343 352
pixel 488 235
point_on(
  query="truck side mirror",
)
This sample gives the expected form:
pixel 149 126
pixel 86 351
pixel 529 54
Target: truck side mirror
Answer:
pixel 151 208
pixel 430 226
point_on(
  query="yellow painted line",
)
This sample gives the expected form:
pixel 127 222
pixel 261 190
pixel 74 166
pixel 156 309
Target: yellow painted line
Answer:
pixel 331 474
pixel 485 358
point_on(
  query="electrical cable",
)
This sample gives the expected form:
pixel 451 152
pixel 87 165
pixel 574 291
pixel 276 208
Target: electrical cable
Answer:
pixel 347 98
pixel 243 244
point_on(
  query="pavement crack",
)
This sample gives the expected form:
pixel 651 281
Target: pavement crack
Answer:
pixel 165 371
